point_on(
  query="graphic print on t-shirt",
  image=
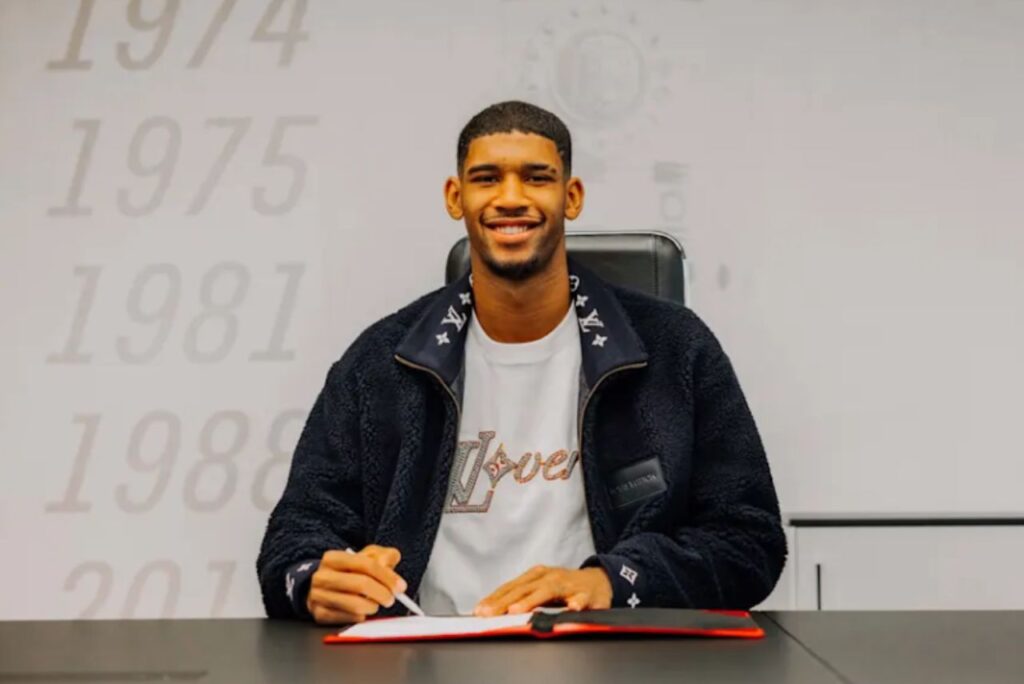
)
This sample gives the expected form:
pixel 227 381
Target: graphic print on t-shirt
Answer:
pixel 473 457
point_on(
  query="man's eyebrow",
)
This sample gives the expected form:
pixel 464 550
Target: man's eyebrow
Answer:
pixel 482 167
pixel 537 166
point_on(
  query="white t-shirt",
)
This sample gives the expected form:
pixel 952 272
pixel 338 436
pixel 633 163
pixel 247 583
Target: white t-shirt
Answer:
pixel 515 494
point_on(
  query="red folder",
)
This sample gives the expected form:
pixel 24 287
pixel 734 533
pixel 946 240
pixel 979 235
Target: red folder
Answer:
pixel 544 625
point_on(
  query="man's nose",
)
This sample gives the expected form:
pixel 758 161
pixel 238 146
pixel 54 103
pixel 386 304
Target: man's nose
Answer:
pixel 510 195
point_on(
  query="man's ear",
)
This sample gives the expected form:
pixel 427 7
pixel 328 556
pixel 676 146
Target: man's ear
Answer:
pixel 573 198
pixel 453 197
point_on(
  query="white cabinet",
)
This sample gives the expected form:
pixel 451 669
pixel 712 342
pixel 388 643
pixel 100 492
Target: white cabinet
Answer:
pixel 944 567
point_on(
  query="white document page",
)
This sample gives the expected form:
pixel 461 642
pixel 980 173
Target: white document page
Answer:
pixel 416 626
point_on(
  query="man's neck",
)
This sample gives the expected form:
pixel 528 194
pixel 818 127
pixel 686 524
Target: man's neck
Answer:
pixel 521 311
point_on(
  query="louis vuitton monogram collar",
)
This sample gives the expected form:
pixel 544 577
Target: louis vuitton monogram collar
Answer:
pixel 437 339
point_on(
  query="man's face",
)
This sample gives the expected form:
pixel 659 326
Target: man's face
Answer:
pixel 514 199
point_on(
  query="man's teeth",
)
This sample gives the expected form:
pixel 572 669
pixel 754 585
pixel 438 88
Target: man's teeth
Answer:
pixel 511 230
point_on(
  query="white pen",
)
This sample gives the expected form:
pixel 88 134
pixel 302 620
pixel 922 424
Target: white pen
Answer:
pixel 402 598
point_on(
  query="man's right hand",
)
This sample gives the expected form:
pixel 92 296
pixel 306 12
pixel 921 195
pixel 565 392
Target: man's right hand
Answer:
pixel 349 586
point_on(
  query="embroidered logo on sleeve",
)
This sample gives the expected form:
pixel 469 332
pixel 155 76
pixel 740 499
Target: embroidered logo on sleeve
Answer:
pixel 442 339
pixel 466 298
pixel 633 601
pixel 629 574
pixel 599 341
pixel 289 585
pixel 304 567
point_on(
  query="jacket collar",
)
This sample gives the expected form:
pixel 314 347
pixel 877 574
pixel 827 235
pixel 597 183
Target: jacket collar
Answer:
pixel 437 340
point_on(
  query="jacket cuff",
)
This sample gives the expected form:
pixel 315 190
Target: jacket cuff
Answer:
pixel 297 581
pixel 629 582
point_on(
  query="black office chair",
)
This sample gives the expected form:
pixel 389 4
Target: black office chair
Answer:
pixel 650 262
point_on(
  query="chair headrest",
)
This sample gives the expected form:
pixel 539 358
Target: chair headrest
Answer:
pixel 649 262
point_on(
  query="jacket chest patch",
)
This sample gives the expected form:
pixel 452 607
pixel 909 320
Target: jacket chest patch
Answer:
pixel 636 482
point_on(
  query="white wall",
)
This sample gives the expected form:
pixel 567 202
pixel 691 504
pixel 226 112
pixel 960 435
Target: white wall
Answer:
pixel 185 249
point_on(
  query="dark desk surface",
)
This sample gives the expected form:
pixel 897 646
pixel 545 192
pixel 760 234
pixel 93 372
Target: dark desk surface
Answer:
pixel 800 647
pixel 937 647
pixel 244 651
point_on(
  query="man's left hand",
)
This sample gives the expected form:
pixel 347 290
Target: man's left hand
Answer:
pixel 577 589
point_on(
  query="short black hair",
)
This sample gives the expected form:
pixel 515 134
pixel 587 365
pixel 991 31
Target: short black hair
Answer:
pixel 514 115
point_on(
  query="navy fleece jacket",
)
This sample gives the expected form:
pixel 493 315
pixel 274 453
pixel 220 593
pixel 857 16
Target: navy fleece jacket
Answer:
pixel 680 497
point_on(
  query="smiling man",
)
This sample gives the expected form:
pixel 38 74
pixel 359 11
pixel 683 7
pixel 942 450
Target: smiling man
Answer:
pixel 529 435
